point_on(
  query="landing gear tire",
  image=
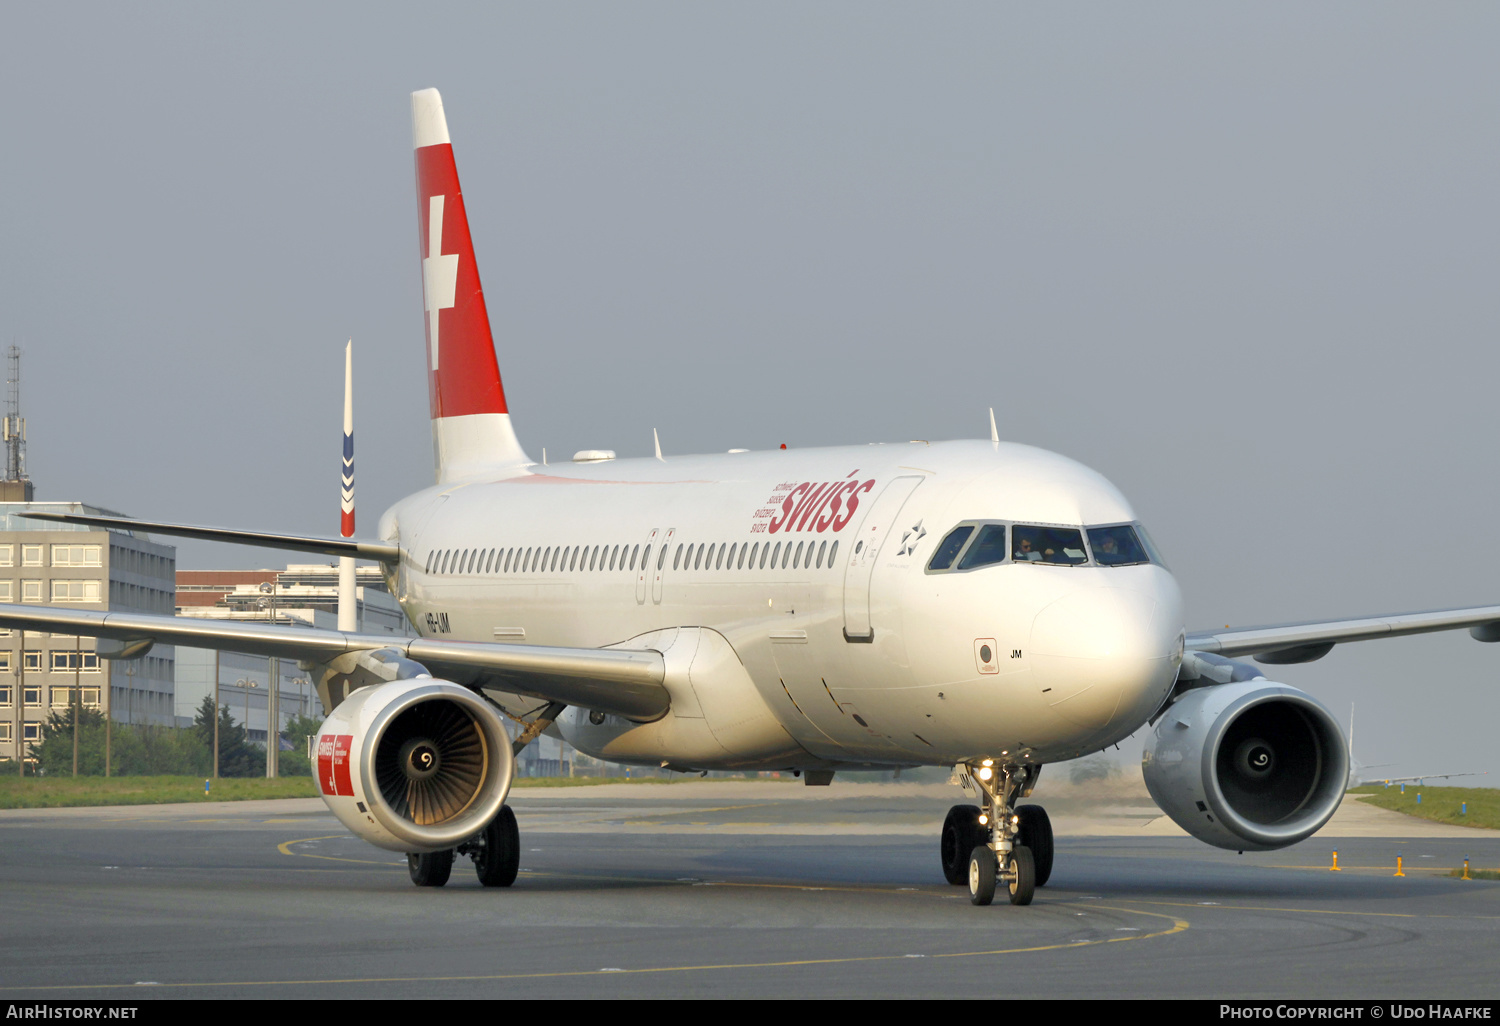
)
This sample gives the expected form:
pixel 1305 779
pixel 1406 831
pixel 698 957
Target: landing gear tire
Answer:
pixel 1021 872
pixel 430 869
pixel 983 872
pixel 1036 834
pixel 498 860
pixel 961 832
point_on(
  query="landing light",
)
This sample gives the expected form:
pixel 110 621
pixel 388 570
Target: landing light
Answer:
pixel 983 819
pixel 985 773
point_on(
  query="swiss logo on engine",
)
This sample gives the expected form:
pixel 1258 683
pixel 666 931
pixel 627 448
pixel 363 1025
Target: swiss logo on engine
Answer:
pixel 333 764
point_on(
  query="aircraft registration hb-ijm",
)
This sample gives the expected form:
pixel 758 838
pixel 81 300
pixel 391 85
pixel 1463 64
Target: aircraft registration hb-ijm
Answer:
pixel 977 604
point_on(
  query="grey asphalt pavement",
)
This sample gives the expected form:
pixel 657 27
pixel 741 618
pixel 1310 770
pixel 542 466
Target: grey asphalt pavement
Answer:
pixel 723 890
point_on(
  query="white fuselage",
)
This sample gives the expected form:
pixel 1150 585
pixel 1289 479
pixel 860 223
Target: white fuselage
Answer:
pixel 864 657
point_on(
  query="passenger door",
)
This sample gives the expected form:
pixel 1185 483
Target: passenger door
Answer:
pixel 864 552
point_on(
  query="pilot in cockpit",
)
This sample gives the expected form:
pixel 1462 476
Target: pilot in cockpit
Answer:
pixel 1024 551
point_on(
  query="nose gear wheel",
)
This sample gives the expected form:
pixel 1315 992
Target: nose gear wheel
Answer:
pixel 1001 850
pixel 982 875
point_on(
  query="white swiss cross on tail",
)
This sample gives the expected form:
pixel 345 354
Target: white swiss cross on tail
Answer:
pixel 439 273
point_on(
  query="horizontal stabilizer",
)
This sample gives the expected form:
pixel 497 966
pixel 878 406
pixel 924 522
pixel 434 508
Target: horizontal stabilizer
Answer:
pixel 385 552
pixel 625 682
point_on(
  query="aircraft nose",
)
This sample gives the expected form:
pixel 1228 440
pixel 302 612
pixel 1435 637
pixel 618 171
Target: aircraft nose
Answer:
pixel 1101 652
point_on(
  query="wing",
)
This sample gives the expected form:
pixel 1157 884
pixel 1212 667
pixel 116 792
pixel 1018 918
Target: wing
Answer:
pixel 1304 642
pixel 626 682
pixel 385 552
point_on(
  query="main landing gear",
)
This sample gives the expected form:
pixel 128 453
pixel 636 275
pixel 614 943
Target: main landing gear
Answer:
pixel 1001 843
pixel 496 851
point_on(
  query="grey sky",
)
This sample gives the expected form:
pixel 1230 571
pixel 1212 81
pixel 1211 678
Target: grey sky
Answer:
pixel 1240 258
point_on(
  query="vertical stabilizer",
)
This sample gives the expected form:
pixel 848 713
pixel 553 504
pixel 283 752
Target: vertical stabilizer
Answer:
pixel 471 429
pixel 348 611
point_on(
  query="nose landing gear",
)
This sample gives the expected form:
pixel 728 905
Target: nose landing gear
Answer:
pixel 1006 844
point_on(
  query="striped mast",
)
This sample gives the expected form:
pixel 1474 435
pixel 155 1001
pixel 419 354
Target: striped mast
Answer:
pixel 347 610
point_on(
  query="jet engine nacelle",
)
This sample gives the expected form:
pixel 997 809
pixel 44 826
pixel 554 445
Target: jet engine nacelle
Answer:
pixel 1249 766
pixel 414 765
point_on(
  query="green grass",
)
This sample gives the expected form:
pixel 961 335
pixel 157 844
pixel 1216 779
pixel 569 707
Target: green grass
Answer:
pixel 58 792
pixel 1476 874
pixel 1440 804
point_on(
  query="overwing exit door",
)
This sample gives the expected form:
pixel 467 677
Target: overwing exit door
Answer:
pixel 642 573
pixel 659 564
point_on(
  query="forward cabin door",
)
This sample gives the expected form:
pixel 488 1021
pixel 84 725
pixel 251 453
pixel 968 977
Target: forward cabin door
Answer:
pixel 864 551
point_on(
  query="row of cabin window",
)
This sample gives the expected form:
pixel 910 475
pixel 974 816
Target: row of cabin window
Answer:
pixel 718 556
pixel 499 561
pixel 733 556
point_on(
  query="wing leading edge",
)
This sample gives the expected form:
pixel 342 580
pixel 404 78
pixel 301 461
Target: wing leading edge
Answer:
pixel 1304 642
pixel 626 682
pixel 385 552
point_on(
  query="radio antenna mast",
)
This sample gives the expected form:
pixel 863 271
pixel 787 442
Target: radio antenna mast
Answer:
pixel 17 486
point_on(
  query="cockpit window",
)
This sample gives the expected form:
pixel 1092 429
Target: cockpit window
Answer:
pixel 942 559
pixel 1061 545
pixel 1117 546
pixel 988 548
pixel 1150 546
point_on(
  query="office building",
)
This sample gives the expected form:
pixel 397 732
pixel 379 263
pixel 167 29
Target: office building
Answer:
pixel 78 567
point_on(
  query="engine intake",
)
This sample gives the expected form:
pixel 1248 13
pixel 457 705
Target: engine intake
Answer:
pixel 1253 765
pixel 414 765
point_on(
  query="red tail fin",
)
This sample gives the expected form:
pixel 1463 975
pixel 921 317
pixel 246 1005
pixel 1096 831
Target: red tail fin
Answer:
pixel 463 378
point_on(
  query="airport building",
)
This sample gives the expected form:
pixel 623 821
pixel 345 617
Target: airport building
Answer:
pixel 301 595
pixel 78 567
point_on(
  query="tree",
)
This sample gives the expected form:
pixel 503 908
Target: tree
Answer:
pixel 295 763
pixel 55 753
pixel 136 750
pixel 237 756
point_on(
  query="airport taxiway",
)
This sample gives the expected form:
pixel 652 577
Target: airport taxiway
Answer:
pixel 733 889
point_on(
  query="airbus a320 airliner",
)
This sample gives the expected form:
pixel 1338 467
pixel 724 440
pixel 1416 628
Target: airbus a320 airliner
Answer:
pixel 976 604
